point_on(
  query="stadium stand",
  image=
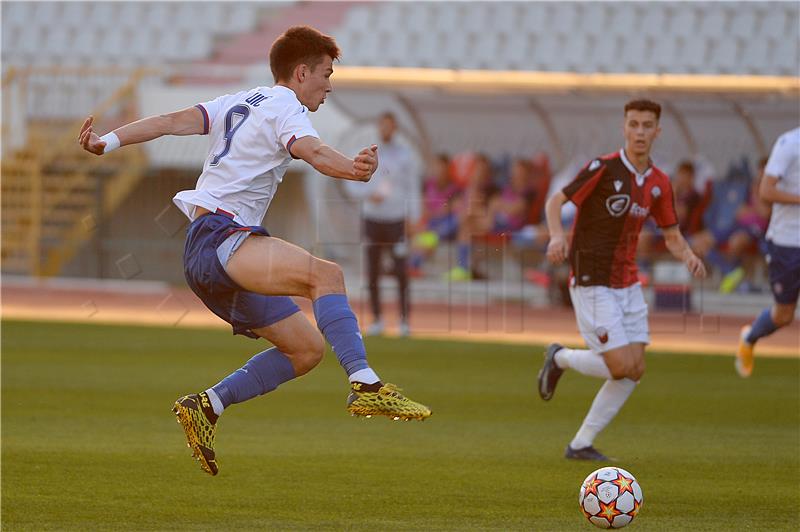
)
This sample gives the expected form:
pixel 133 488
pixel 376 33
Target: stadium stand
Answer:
pixel 198 49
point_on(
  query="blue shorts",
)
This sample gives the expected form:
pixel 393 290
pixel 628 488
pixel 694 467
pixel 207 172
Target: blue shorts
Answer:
pixel 784 273
pixel 207 278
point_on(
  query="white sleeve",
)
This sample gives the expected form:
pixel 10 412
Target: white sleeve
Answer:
pixel 211 110
pixel 294 125
pixel 781 157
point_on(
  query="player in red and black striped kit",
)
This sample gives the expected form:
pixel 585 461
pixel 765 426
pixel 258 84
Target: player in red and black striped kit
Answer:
pixel 614 195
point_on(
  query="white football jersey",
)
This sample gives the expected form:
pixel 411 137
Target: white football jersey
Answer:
pixel 784 163
pixel 251 133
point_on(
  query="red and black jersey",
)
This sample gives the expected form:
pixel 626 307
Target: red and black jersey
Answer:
pixel 613 202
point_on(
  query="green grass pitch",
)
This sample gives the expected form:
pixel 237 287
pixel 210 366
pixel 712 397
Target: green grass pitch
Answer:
pixel 89 442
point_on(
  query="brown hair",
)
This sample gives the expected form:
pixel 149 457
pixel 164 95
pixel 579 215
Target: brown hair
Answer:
pixel 644 105
pixel 299 45
pixel 686 166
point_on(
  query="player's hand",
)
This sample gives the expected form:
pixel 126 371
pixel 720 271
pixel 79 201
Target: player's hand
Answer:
pixel 695 265
pixel 557 249
pixel 89 140
pixel 366 162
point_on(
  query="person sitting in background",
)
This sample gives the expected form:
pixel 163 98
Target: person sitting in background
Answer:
pixel 439 221
pixel 727 249
pixel 687 199
pixel 508 210
pixel 470 211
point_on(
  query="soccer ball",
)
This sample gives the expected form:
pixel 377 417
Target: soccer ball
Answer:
pixel 610 497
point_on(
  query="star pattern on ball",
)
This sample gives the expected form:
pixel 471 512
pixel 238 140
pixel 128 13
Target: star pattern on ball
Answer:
pixel 624 484
pixel 609 511
pixel 636 506
pixel 591 485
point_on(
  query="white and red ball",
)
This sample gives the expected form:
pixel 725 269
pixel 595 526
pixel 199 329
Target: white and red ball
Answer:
pixel 610 497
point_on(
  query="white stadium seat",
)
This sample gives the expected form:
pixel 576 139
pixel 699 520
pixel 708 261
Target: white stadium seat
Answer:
pixel 725 55
pixel 684 20
pixel 755 56
pixel 584 36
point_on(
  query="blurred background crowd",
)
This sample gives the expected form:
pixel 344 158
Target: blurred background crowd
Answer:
pixel 499 104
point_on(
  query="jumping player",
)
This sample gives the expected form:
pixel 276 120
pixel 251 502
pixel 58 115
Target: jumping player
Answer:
pixel 240 272
pixel 781 187
pixel 614 195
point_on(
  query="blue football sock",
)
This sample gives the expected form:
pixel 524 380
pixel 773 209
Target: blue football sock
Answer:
pixel 762 326
pixel 462 255
pixel 339 326
pixel 262 373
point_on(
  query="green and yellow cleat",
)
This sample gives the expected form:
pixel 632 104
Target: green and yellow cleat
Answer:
pixel 200 430
pixel 384 400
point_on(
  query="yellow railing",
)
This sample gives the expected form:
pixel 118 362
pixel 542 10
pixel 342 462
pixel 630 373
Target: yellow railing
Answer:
pixel 45 211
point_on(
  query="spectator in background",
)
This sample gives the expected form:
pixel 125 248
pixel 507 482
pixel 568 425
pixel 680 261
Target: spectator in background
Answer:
pixel 726 250
pixel 390 205
pixel 687 199
pixel 438 221
pixel 470 210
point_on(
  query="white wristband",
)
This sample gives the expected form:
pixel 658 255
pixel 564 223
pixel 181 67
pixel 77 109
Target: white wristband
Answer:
pixel 112 142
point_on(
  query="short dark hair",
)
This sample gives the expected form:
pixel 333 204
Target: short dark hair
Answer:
pixel 644 105
pixel 300 45
pixel 687 166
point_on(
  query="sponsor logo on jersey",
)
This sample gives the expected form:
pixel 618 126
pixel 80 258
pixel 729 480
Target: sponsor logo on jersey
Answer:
pixel 618 204
pixel 617 185
pixel 638 211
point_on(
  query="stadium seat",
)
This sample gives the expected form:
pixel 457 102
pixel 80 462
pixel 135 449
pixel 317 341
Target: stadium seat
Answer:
pixel 743 24
pixel 785 57
pixel 712 23
pixel 755 56
pixel 684 21
pixel 563 18
pixel 725 55
pixel 665 57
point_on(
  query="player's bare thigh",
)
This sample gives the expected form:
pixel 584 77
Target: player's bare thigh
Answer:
pixel 271 266
pixel 298 339
pixel 626 361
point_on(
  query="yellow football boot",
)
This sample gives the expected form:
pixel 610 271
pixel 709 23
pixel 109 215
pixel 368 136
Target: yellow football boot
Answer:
pixel 744 354
pixel 383 400
pixel 200 430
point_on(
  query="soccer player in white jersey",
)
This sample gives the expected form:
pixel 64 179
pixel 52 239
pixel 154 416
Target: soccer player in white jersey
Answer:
pixel 780 187
pixel 240 272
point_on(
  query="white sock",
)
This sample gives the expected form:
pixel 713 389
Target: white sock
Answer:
pixel 583 361
pixel 216 403
pixel 607 402
pixel 367 376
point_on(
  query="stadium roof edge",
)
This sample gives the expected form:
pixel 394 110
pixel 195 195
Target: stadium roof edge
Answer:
pixel 526 81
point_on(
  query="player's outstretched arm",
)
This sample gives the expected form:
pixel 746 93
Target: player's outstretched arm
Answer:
pixel 769 192
pixel 187 121
pixel 557 247
pixel 330 162
pixel 680 249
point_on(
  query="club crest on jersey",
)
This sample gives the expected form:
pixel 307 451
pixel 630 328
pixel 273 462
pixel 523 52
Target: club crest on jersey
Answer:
pixel 594 165
pixel 618 204
pixel 602 334
pixel 656 192
pixel 617 185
